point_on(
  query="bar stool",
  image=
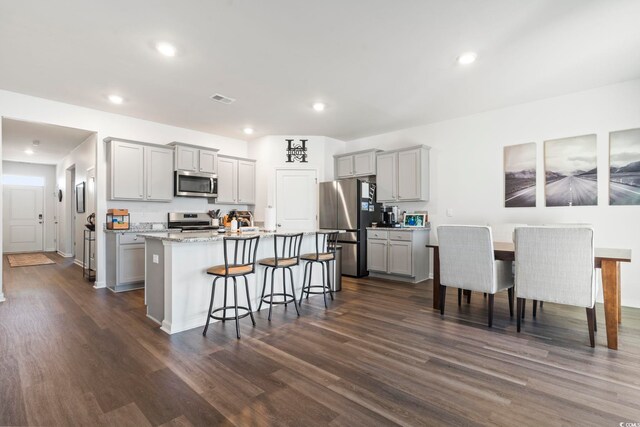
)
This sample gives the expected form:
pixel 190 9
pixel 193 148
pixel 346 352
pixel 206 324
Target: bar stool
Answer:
pixel 243 263
pixel 288 256
pixel 326 242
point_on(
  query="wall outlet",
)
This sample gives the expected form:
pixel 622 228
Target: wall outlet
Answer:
pixel 449 212
pixel 156 259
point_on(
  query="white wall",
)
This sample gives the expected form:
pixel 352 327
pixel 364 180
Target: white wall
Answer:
pixel 1 210
pixel 82 158
pixel 48 173
pixel 467 173
pixel 24 107
pixel 270 152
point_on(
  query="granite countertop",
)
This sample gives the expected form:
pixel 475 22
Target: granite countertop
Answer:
pixel 427 228
pixel 144 227
pixel 212 236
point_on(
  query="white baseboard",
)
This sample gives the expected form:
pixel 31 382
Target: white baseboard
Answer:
pixel 64 255
pixel 2 299
pixel 99 285
pixel 78 262
pixel 50 250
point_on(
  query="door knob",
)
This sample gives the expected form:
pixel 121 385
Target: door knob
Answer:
pixel 279 225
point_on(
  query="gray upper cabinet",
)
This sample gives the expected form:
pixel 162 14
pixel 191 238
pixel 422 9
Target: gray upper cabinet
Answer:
pixel 139 171
pixel 208 161
pixel 126 171
pixel 186 158
pixel 344 167
pixel 246 182
pixel 403 175
pixel 361 163
pixel 195 159
pixel 159 174
pixel 236 181
pixel 386 177
pixel 227 180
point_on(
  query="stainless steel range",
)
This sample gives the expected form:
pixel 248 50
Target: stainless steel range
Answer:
pixel 186 221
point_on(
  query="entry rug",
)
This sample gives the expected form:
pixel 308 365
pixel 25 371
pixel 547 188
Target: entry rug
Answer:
pixel 25 260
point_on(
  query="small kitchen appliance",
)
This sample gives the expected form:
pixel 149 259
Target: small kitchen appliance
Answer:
pixel 195 184
pixel 389 217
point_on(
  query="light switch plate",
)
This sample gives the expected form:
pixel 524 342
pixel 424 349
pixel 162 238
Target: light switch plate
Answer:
pixel 449 212
pixel 156 259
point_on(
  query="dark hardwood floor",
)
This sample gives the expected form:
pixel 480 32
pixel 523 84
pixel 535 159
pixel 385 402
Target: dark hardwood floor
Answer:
pixel 71 355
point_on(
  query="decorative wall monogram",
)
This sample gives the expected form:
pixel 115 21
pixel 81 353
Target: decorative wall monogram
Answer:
pixel 296 152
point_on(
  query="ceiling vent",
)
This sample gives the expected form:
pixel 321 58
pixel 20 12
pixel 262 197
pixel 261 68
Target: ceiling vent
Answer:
pixel 222 99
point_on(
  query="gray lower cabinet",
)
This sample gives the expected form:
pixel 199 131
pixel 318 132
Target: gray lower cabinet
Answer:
pixel 377 255
pixel 400 258
pixel 125 261
pixel 398 254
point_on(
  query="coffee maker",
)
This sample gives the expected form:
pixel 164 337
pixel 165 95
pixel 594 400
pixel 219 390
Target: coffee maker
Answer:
pixel 389 217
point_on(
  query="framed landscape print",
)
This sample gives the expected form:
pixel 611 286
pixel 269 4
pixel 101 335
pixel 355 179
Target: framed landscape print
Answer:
pixel 624 167
pixel 520 175
pixel 571 177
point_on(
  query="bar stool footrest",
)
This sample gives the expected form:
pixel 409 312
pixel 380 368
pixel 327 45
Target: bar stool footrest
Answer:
pixel 267 299
pixel 307 289
pixel 233 310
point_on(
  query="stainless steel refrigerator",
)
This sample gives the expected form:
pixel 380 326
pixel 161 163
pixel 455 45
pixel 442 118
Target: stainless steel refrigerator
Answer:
pixel 349 204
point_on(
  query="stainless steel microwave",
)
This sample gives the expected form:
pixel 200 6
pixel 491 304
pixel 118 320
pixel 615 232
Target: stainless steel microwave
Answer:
pixel 196 184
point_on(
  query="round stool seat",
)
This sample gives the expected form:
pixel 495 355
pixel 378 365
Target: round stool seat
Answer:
pixel 282 262
pixel 324 256
pixel 234 270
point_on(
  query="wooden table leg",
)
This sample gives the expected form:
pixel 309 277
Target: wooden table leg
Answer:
pixel 436 279
pixel 619 298
pixel 610 286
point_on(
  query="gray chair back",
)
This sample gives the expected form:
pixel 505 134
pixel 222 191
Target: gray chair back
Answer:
pixel 466 257
pixel 556 264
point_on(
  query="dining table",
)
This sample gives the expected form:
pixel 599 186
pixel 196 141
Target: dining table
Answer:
pixel 606 259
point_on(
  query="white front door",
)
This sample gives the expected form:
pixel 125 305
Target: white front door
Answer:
pixel 296 200
pixel 23 218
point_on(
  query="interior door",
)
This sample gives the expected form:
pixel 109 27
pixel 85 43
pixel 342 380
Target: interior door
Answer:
pixel 23 218
pixel 296 200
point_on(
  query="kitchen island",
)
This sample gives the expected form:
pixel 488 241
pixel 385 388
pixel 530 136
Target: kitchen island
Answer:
pixel 177 287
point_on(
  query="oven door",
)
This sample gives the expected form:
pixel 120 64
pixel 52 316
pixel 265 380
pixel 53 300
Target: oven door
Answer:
pixel 194 184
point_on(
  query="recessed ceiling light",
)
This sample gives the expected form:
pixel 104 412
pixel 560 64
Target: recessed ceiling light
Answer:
pixel 28 151
pixel 467 58
pixel 116 99
pixel 319 106
pixel 167 49
pixel 248 130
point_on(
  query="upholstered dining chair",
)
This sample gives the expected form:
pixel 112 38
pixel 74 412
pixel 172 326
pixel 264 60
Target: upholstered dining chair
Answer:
pixel 556 264
pixel 467 263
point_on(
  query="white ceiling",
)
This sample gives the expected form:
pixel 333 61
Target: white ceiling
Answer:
pixel 380 65
pixel 55 141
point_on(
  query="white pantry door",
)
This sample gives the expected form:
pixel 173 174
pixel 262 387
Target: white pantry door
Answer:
pixel 296 199
pixel 23 218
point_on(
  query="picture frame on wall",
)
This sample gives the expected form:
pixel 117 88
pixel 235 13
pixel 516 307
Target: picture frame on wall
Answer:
pixel 520 175
pixel 624 167
pixel 571 171
pixel 80 195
